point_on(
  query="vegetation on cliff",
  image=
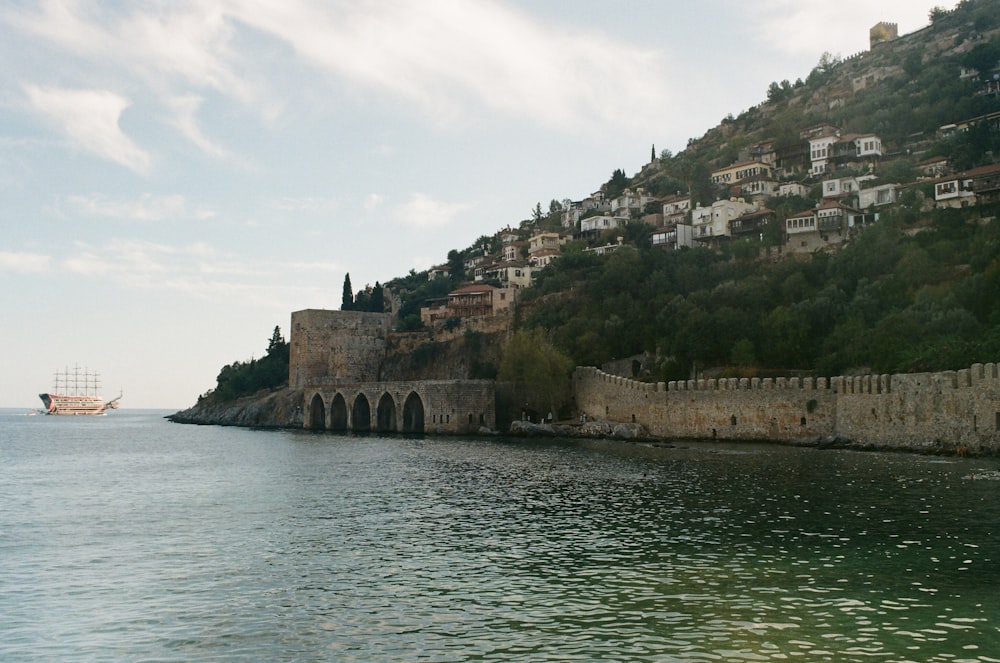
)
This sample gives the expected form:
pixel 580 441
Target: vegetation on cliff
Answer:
pixel 891 301
pixel 243 378
pixel 537 372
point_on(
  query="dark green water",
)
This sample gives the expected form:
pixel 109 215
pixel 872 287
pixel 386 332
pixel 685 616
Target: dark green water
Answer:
pixel 128 538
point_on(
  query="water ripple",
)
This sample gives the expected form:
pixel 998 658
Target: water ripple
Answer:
pixel 160 542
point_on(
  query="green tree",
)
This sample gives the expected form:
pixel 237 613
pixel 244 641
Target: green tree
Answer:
pixel 376 302
pixel 456 266
pixel 277 340
pixel 615 186
pixel 536 214
pixel 347 302
pixel 537 372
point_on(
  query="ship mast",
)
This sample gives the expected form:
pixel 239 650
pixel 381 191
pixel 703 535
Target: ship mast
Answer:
pixel 76 382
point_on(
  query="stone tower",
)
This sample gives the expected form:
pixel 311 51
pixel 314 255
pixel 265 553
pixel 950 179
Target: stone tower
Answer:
pixel 882 32
pixel 336 346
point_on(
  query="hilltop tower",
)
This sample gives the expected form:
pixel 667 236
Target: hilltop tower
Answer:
pixel 882 32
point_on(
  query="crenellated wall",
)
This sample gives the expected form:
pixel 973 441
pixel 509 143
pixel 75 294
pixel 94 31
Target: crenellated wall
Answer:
pixel 924 410
pixel 913 411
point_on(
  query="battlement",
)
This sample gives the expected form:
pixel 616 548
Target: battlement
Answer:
pixel 909 409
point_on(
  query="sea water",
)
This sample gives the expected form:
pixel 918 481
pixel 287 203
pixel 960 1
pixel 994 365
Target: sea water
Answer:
pixel 127 537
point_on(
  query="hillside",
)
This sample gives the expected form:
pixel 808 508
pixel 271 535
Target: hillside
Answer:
pixel 843 250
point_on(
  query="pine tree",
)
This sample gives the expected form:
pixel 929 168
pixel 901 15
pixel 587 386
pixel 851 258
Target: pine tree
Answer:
pixel 347 303
pixel 377 304
pixel 277 340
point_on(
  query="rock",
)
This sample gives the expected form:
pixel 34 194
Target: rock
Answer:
pixel 281 408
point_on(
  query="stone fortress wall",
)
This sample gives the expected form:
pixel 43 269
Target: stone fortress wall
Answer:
pixel 337 357
pixel 920 411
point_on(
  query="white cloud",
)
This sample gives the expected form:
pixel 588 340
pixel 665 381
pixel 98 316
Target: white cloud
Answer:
pixel 90 119
pixel 148 207
pixel 453 58
pixel 372 201
pixel 808 29
pixel 308 204
pixel 450 59
pixel 188 41
pixel 197 270
pixel 422 211
pixel 186 108
pixel 24 263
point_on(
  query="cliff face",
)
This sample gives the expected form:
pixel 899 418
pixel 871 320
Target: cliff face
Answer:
pixel 457 356
pixel 276 409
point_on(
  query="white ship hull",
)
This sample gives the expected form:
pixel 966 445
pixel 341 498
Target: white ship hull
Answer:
pixel 74 405
pixel 75 393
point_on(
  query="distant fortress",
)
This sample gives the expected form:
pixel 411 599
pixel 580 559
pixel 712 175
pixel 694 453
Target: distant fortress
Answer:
pixel 336 359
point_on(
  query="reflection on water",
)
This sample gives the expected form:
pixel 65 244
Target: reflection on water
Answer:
pixel 133 538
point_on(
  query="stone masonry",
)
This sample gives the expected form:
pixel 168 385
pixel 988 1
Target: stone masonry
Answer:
pixel 925 411
pixel 337 358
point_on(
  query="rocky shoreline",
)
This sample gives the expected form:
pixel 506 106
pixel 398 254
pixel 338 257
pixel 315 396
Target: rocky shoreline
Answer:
pixel 280 408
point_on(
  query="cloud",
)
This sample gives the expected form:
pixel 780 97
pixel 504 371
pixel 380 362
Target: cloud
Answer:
pixel 451 60
pixel 421 211
pixel 306 204
pixel 148 207
pixel 197 270
pixel 809 28
pixel 24 263
pixel 188 41
pixel 372 201
pixel 90 119
pixel 454 58
pixel 185 108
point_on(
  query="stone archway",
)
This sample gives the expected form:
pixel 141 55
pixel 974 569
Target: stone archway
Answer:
pixel 413 414
pixel 385 415
pixel 338 413
pixel 361 414
pixel 317 413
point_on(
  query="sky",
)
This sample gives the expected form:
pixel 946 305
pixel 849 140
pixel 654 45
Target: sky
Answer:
pixel 178 176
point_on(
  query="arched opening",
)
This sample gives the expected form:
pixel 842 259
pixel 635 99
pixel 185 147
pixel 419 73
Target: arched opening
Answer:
pixel 413 414
pixel 361 414
pixel 317 413
pixel 385 415
pixel 338 413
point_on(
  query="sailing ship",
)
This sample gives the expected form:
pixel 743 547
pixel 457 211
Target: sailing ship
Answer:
pixel 76 393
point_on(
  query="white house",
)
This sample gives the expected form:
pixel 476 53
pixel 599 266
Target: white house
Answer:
pixel 543 258
pixel 884 194
pixel 515 274
pixel 843 186
pixel 630 201
pixel 711 222
pixel 597 224
pixel 672 236
pixel 793 189
pixel 571 215
pixel 821 152
pixel 545 240
pixel 438 270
